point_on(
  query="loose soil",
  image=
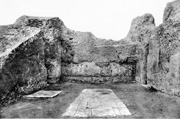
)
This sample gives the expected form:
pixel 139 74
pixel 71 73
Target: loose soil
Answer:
pixel 141 102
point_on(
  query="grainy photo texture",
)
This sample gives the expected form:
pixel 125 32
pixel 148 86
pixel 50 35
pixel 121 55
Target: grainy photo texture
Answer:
pixel 121 60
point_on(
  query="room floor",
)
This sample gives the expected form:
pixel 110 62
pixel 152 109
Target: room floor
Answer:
pixel 137 101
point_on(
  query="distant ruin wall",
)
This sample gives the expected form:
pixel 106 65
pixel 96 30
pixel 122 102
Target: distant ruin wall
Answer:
pixel 84 55
pixel 97 73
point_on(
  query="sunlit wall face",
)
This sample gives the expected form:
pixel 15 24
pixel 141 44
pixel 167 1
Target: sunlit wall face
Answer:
pixel 108 19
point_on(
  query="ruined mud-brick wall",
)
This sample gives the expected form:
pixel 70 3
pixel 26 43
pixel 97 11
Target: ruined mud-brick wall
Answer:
pixel 86 58
pixel 164 52
pixel 139 33
pixel 30 54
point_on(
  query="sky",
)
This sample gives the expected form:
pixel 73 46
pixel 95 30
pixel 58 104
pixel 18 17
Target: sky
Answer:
pixel 109 19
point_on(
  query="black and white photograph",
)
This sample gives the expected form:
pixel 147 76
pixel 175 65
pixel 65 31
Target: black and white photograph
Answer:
pixel 90 59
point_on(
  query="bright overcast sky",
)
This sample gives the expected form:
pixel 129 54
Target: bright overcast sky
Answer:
pixel 108 19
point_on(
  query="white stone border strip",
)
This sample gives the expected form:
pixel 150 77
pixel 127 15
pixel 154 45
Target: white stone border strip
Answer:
pixel 97 103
